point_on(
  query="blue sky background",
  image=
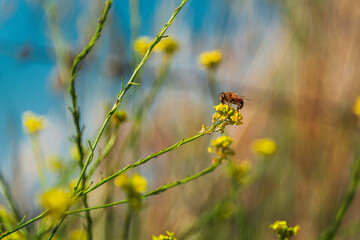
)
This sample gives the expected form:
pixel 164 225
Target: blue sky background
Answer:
pixel 26 82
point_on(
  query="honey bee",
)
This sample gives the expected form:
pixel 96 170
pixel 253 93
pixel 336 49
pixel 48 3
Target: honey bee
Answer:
pixel 232 98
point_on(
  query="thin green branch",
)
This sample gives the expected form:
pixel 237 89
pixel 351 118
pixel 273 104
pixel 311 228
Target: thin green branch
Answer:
pixel 75 108
pixel 345 204
pixel 9 198
pixel 145 160
pixel 153 192
pixel 38 159
pixel 127 224
pixel 25 224
pixel 127 87
pixel 105 153
pixel 57 226
pixel 146 104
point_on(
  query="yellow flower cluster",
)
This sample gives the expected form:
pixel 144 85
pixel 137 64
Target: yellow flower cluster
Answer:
pixel 136 183
pixel 264 147
pixel 210 60
pixel 133 186
pixel 356 108
pixel 119 117
pixel 142 44
pixel 283 231
pixel 221 146
pixel 170 236
pixel 226 115
pixel 240 172
pixel 56 200
pixel 167 46
pixel 33 123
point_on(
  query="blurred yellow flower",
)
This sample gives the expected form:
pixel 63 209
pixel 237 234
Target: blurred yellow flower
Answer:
pixel 264 146
pixel 33 123
pixel 356 108
pixel 138 183
pixel 135 184
pixel 119 117
pixel 278 225
pixel 170 236
pixel 167 45
pixel 221 146
pixel 240 172
pixel 142 44
pixel 283 231
pixel 56 200
pixel 54 163
pixel 78 234
pixel 210 60
pixel 122 181
pixel 74 152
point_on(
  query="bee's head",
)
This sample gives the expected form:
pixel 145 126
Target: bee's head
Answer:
pixel 222 97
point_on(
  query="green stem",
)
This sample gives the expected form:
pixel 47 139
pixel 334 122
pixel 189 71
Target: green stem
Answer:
pixel 142 161
pixel 57 226
pixel 25 224
pixel 127 87
pixel 104 154
pixel 38 158
pixel 75 108
pixel 345 204
pixel 9 198
pixel 148 101
pixel 154 192
pixel 127 223
pixel 213 86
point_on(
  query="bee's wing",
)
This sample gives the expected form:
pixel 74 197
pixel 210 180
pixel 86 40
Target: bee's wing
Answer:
pixel 245 98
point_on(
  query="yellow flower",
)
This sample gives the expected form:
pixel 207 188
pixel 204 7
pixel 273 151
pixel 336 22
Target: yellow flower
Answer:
pixel 141 45
pixel 278 225
pixel 138 183
pixel 54 163
pixel 135 184
pixel 33 123
pixel 170 236
pixel 283 231
pixel 56 200
pixel 78 234
pixel 74 152
pixel 240 172
pixel 167 45
pixel 119 117
pixel 221 146
pixel 356 108
pixel 264 146
pixel 122 181
pixel 210 60
pixel 227 115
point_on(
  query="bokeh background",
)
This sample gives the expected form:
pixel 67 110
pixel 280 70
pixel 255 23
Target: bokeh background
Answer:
pixel 296 61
